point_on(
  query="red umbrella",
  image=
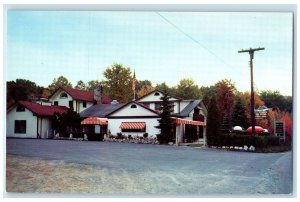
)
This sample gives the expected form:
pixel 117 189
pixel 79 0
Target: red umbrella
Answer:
pixel 257 129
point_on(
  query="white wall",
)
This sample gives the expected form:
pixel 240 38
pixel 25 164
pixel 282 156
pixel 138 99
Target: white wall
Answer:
pixel 61 101
pixel 114 126
pixel 183 104
pixel 138 111
pixel 31 123
pixel 77 105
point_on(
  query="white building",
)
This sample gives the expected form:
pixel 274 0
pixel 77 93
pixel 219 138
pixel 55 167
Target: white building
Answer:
pixel 133 119
pixel 30 120
pixel 79 100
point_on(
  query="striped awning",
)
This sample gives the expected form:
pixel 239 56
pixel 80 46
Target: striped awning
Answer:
pixel 94 121
pixel 133 125
pixel 189 122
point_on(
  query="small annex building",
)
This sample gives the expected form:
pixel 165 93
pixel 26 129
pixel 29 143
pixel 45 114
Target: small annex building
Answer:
pixel 27 119
pixel 77 99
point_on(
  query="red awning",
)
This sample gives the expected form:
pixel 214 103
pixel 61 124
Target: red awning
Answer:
pixel 189 122
pixel 94 121
pixel 133 125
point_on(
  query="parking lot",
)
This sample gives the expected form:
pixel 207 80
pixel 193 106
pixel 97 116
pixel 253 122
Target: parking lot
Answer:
pixel 120 168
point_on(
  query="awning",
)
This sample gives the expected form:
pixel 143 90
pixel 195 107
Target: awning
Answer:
pixel 133 125
pixel 94 121
pixel 189 122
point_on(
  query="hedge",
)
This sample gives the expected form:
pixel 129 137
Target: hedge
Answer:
pixel 258 141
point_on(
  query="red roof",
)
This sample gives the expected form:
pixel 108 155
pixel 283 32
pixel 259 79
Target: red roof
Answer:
pixel 84 95
pixel 42 110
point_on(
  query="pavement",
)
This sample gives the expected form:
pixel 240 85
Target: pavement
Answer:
pixel 172 169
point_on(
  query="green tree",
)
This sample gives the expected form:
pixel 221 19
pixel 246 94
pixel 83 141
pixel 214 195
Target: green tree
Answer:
pixel 187 89
pixel 141 84
pixel 166 123
pixel 91 85
pixel 207 93
pixel 213 123
pixel 273 99
pixel 22 89
pixel 81 85
pixel 59 82
pixel 239 116
pixel 118 83
pixel 163 86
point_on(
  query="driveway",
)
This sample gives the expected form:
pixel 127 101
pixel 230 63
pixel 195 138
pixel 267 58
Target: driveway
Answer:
pixel 159 169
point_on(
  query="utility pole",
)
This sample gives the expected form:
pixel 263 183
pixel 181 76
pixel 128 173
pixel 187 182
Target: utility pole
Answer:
pixel 251 53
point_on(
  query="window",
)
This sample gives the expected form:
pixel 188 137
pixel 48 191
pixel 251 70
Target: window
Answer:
pixel 56 103
pixel 157 107
pixel 20 126
pixel 134 130
pixel 71 103
pixel 20 108
pixel 133 106
pixel 156 94
pixel 63 95
pixel 84 104
pixel 146 105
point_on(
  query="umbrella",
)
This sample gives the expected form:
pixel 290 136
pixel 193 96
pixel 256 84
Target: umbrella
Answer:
pixel 257 129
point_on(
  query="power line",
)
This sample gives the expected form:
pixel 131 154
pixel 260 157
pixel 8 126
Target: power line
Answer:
pixel 191 38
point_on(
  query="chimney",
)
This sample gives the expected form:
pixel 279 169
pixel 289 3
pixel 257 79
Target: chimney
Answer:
pixel 98 94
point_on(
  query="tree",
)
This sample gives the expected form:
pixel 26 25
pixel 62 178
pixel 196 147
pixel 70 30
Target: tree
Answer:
pixel 226 93
pixel 145 90
pixel 187 89
pixel 66 122
pixel 59 82
pixel 22 89
pixel 118 83
pixel 45 93
pixel 163 86
pixel 239 117
pixel 273 99
pixel 246 99
pixel 213 123
pixel 166 123
pixel 81 85
pixel 207 93
pixel 140 84
pixel 91 85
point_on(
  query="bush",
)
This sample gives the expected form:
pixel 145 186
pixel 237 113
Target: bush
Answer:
pixel 120 136
pixel 145 135
pixel 258 141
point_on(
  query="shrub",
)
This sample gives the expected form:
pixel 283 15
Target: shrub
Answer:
pixel 120 136
pixel 145 135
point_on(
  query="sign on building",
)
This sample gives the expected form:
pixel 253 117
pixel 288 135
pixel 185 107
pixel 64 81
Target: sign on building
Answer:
pixel 280 130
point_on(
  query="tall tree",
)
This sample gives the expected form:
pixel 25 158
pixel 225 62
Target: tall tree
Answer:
pixel 166 123
pixel 239 117
pixel 81 85
pixel 226 93
pixel 59 82
pixel 91 85
pixel 213 123
pixel 187 89
pixel 273 99
pixel 118 82
pixel 207 93
pixel 22 89
pixel 141 84
pixel 246 99
pixel 145 90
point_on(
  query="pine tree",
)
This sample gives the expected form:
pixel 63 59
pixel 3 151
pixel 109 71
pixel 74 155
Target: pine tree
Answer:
pixel 213 123
pixel 239 117
pixel 166 123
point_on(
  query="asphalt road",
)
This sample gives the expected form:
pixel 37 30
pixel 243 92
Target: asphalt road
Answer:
pixel 193 170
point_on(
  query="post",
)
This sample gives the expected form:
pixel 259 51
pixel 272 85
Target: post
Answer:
pixel 251 53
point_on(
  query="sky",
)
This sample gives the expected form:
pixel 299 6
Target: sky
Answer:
pixel 158 46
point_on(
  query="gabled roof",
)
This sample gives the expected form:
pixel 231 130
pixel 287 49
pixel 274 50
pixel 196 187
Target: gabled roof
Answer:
pixel 99 110
pixel 42 110
pixel 133 102
pixel 190 107
pixel 82 95
pixel 156 90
